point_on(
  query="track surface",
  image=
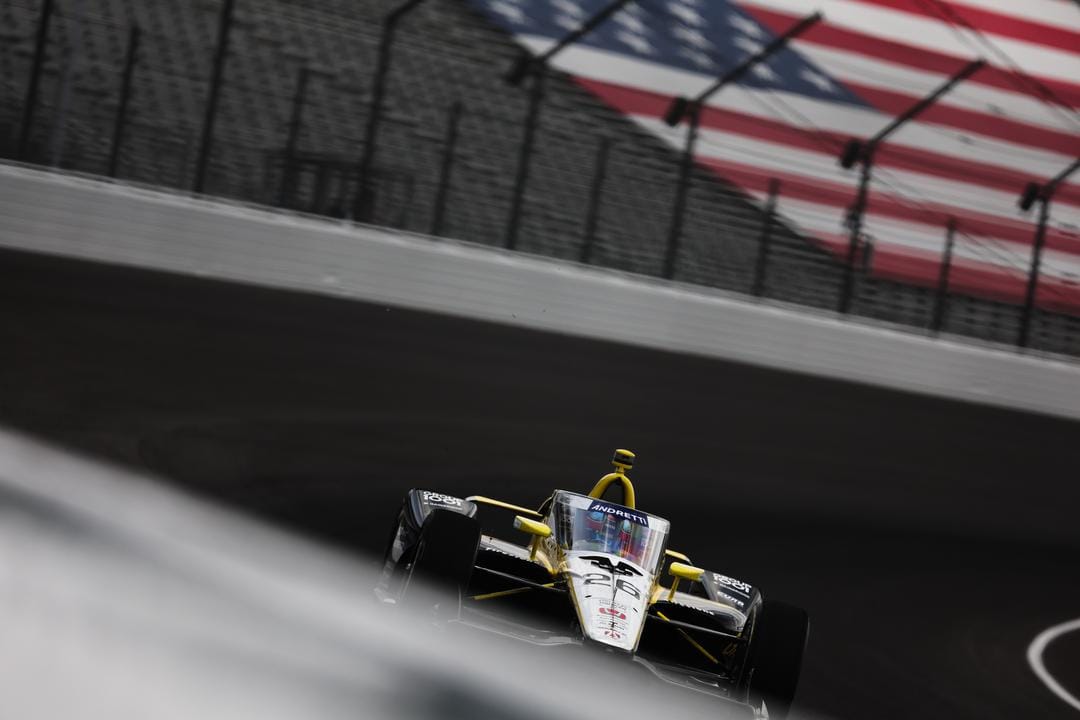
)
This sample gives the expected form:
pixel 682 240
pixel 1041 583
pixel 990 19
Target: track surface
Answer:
pixel 929 540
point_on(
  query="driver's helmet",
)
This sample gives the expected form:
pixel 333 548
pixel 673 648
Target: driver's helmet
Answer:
pixel 595 530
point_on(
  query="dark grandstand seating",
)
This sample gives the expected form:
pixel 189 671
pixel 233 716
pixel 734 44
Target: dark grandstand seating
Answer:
pixel 445 54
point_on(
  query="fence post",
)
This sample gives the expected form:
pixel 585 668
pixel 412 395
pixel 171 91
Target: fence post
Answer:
pixel 766 238
pixel 224 28
pixel 592 218
pixel 941 302
pixel 679 211
pixel 30 103
pixel 58 134
pixel 125 98
pixel 1033 275
pixel 855 222
pixel 288 168
pixel 363 207
pixel 445 173
pixel 532 117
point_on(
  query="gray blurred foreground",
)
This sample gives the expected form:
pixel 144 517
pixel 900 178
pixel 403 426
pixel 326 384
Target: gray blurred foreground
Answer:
pixel 124 599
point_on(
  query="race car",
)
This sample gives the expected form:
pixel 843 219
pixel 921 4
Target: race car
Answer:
pixel 592 574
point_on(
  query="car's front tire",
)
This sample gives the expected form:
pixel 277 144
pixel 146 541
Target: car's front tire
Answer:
pixel 444 561
pixel 776 655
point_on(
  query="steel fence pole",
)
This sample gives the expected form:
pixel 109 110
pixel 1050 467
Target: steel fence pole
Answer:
pixel 942 299
pixel 532 118
pixel 592 218
pixel 678 212
pixel 1033 275
pixel 58 134
pixel 288 167
pixel 855 224
pixel 446 171
pixel 30 102
pixel 682 108
pixel 1043 194
pixel 761 267
pixel 120 125
pixel 363 208
pixel 537 67
pixel 863 152
pixel 224 31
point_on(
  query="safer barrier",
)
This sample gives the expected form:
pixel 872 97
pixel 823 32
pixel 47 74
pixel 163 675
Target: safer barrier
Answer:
pixel 80 217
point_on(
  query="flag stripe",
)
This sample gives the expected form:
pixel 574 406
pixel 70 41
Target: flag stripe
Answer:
pixel 874 23
pixel 988 21
pixel 905 54
pixel 1058 13
pixel 980 123
pixel 860 69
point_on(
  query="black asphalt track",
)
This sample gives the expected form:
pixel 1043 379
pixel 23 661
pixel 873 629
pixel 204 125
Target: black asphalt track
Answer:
pixel 929 540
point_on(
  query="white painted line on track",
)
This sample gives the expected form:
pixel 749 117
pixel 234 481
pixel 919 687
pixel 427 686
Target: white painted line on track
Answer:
pixel 1035 658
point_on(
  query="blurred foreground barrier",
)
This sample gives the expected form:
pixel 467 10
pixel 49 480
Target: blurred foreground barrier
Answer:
pixel 79 217
pixel 123 599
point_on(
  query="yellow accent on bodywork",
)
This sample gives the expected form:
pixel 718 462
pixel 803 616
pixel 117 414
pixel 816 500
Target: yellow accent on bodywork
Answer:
pixel 686 572
pixel 628 488
pixel 505 593
pixel 678 556
pixel 499 503
pixel 692 641
pixel 532 527
pixel 541 557
pixel 623 461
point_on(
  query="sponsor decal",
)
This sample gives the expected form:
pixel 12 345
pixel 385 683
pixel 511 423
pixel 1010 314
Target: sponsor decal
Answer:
pixel 733 600
pixel 604 624
pixel 735 585
pixel 633 516
pixel 612 612
pixel 435 498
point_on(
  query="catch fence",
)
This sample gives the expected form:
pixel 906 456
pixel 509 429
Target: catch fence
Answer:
pixel 275 103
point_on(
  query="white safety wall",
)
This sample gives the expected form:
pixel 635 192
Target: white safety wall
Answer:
pixel 85 218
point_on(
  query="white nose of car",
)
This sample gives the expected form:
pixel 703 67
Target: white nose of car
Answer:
pixel 611 595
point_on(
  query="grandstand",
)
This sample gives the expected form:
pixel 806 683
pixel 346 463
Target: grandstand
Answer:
pixel 446 55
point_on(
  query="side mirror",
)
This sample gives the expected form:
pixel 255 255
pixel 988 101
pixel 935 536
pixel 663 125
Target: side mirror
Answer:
pixel 682 571
pixel 533 527
pixel 676 555
pixel 686 572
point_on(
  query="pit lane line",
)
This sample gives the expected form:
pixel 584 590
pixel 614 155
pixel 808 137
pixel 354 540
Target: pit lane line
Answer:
pixel 1035 654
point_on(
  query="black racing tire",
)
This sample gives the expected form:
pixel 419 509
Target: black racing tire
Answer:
pixel 776 655
pixel 445 557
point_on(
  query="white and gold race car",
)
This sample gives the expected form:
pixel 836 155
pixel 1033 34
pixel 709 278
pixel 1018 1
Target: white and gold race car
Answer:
pixel 592 574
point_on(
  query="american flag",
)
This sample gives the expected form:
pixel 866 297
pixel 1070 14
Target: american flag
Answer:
pixel 968 157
